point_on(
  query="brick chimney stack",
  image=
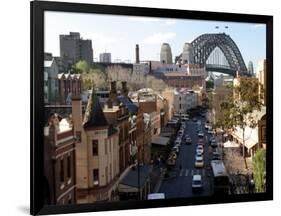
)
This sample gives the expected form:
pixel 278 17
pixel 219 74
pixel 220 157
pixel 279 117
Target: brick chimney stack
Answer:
pixel 113 92
pixel 124 89
pixel 137 54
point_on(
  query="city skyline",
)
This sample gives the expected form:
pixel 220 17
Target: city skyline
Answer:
pixel 149 33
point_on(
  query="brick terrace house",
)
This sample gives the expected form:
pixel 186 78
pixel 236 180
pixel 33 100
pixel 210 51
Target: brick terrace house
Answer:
pixel 59 162
pixel 68 85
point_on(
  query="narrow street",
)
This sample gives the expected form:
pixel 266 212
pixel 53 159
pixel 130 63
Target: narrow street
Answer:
pixel 181 184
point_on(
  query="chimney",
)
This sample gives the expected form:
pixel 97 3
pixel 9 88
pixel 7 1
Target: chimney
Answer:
pixel 137 54
pixel 77 113
pixel 113 91
pixel 124 89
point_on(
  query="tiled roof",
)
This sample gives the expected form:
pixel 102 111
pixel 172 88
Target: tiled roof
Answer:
pixel 132 108
pixel 94 116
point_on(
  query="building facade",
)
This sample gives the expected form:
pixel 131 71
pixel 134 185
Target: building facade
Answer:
pixel 261 76
pixel 184 100
pixel 68 85
pixel 105 57
pixel 59 162
pixel 194 75
pixel 73 47
pixel 51 81
pixel 117 114
pixel 97 154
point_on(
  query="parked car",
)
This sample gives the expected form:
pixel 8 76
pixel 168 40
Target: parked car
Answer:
pixel 188 140
pixel 200 149
pixel 216 156
pixel 210 131
pixel 180 132
pixel 197 183
pixel 176 149
pixel 200 134
pixel 206 126
pixel 212 139
pixel 201 142
pixel 198 154
pixel 199 163
pixel 177 142
pixel 214 144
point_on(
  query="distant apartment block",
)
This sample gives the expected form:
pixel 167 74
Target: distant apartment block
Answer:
pixel 105 57
pixel 73 47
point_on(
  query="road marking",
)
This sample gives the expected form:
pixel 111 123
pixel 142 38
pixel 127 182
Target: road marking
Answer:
pixel 203 172
pixel 186 172
pixel 181 172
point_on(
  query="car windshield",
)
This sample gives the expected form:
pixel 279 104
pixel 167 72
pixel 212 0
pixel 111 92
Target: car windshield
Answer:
pixel 196 182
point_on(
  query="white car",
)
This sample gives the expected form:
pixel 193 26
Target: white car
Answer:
pixel 197 183
pixel 210 131
pixel 200 149
pixel 200 134
pixel 180 132
pixel 176 149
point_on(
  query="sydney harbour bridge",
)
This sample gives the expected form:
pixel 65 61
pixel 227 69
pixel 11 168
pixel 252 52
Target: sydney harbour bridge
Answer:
pixel 217 52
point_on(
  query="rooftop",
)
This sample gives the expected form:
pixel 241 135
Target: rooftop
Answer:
pixel 94 116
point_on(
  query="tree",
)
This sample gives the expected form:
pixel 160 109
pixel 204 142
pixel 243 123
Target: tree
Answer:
pixel 259 165
pixel 118 73
pixel 81 67
pixel 209 84
pixel 239 107
pixel 154 83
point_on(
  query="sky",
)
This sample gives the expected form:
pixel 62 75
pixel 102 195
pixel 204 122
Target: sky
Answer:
pixel 119 34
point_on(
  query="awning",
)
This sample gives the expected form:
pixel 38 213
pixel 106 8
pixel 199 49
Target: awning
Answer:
pixel 159 140
pixel 229 144
pixel 250 136
pixel 134 178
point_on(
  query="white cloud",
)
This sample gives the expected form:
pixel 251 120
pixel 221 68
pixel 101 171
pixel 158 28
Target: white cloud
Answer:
pixel 169 22
pixel 144 19
pixel 159 38
pixel 258 25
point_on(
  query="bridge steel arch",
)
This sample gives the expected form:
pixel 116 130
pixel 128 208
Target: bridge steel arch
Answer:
pixel 206 43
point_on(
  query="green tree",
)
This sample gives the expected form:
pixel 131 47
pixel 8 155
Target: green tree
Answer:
pixel 209 84
pixel 238 108
pixel 259 168
pixel 81 67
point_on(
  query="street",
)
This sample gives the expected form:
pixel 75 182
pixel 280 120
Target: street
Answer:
pixel 181 184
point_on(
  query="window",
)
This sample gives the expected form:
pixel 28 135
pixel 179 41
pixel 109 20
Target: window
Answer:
pixel 105 146
pixel 106 174
pixel 95 176
pixel 68 167
pixel 78 136
pixel 110 171
pixel 95 147
pixel 61 171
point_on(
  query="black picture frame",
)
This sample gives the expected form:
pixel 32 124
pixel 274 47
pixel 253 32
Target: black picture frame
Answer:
pixel 37 104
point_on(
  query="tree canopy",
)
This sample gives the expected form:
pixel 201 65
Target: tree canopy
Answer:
pixel 259 165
